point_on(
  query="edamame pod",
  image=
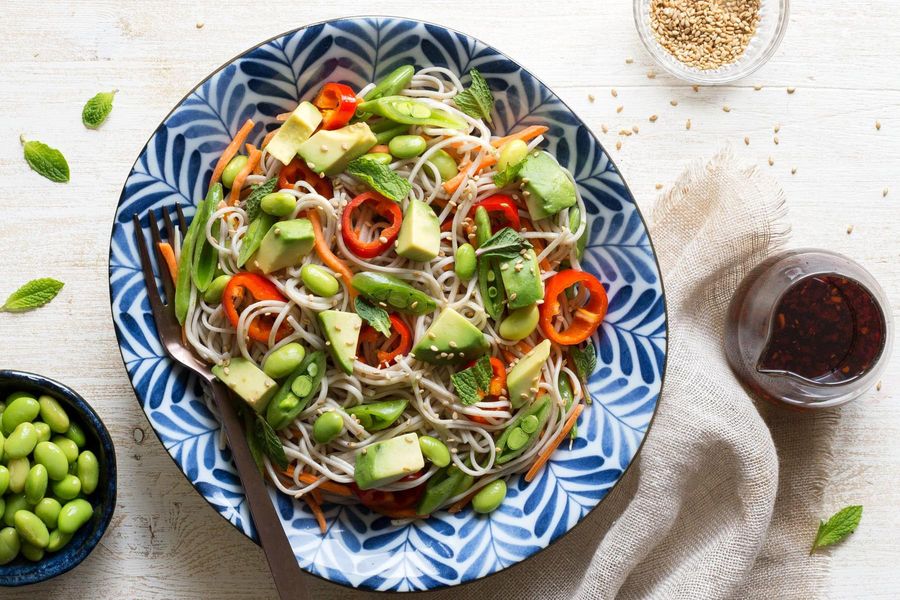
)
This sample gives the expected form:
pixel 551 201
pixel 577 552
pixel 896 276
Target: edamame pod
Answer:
pixel 53 414
pixel 285 405
pixel 53 458
pixel 74 514
pixel 23 409
pixel 36 484
pixel 393 292
pixel 31 529
pixel 88 471
pixel 465 262
pixel 490 497
pixel 9 545
pixel 328 426
pixel 319 281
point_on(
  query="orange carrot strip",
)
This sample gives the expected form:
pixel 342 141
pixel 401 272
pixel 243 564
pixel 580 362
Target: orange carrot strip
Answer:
pixel 509 356
pixel 328 257
pixel 317 495
pixel 529 133
pixel 331 487
pixel 452 184
pixel 402 513
pixel 239 179
pixel 317 511
pixel 268 138
pixel 380 148
pixel 165 248
pixel 230 151
pixel 282 116
pixel 538 248
pixel 524 347
pixel 544 456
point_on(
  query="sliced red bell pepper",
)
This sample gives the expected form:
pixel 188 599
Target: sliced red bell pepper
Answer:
pixel 337 102
pixel 398 344
pixel 586 319
pixel 496 388
pixel 500 206
pixel 297 170
pixel 391 503
pixel 382 207
pixel 245 289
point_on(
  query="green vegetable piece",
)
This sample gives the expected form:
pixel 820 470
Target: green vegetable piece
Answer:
pixel 14 504
pixel 66 488
pixel 471 384
pixel 9 545
pixel 840 525
pixel 53 458
pixel 568 397
pixel 76 434
pixel 506 244
pixel 31 552
pixel 445 165
pixel 522 378
pixel 296 129
pixel 490 497
pixel 384 137
pixel 31 529
pixel 234 166
pixel 319 281
pixel 18 473
pixel 450 339
pixel 205 256
pixel 328 152
pixel 477 100
pixel 254 237
pixel 548 187
pixel 46 161
pixel 511 449
pixel 380 178
pixel 284 245
pixel 407 146
pixel 280 413
pixel 278 204
pixel 375 316
pixel 88 471
pixel 248 381
pixel 47 511
pixel 574 224
pixel 511 153
pixel 68 447
pixel 406 110
pixel 301 387
pixel 36 484
pixel 97 109
pixel 21 441
pixel 213 294
pixel 434 450
pixel 393 83
pixel 57 540
pixel 380 157
pixel 341 330
pixel 517 439
pixel 183 281
pixel 283 360
pixel 4 480
pixel 519 323
pixel 21 410
pixel 253 201
pixel 34 294
pixel 385 462
pixel 53 414
pixel 585 360
pixel 378 415
pixel 74 515
pixel 328 426
pixel 465 262
pixel 529 424
pixel 488 271
pixel 440 488
pixel 393 292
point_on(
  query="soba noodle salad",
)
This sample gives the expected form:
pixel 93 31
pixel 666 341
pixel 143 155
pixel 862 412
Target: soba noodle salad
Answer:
pixel 394 291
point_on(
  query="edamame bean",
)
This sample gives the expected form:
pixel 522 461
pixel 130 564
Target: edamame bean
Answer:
pixel 21 441
pixel 53 458
pixel 489 497
pixel 278 204
pixel 66 488
pixel 53 414
pixel 2 408
pixel 36 484
pixel 319 281
pixel 23 409
pixel 47 511
pixel 68 447
pixel 74 514
pixel 282 361
pixel 519 324
pixel 2 443
pixel 18 473
pixel 328 426
pixel 407 146
pixel 511 153
pixel 76 434
pixel 43 431
pixel 465 262
pixel 88 471
pixel 434 450
pixel 31 529
pixel 380 157
pixel 31 552
pixel 213 294
pixel 4 479
pixel 9 545
pixel 14 504
pixel 445 165
pixel 234 166
pixel 58 539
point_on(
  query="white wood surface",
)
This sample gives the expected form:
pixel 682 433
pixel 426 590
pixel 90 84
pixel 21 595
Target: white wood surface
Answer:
pixel 165 542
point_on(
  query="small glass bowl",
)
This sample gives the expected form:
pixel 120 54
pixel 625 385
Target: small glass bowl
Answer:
pixel 773 19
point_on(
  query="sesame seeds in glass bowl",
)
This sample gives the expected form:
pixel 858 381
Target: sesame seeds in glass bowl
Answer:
pixel 711 41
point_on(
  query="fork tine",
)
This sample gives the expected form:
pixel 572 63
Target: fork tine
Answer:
pixel 147 268
pixel 170 229
pixel 182 224
pixel 167 278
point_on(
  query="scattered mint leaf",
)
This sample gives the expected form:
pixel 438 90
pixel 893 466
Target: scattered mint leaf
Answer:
pixel 472 384
pixel 476 101
pixel 585 360
pixel 34 294
pixel 506 176
pixel 839 526
pixel 375 316
pixel 97 109
pixel 506 243
pixel 380 178
pixel 271 444
pixel 46 161
pixel 251 204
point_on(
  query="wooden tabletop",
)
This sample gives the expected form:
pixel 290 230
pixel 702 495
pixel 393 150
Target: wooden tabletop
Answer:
pixel 165 541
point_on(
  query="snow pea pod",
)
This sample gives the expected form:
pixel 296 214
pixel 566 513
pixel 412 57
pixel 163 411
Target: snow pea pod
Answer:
pixel 257 230
pixel 392 83
pixel 574 224
pixel 406 110
pixel 523 431
pixel 205 257
pixel 442 486
pixel 384 137
pixel 488 271
pixel 378 415
pixel 296 391
pixel 390 291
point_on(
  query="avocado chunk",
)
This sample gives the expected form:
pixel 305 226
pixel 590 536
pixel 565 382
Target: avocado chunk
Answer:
pixel 247 381
pixel 522 280
pixel 546 186
pixel 286 243
pixel 523 377
pixel 385 462
pixel 329 151
pixel 420 232
pixel 299 126
pixel 450 339
pixel 342 330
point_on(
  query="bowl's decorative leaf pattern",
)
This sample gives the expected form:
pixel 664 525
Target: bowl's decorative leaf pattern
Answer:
pixel 360 548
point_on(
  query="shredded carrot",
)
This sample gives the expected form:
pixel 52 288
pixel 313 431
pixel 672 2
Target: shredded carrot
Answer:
pixel 268 138
pixel 231 150
pixel 529 133
pixel 328 257
pixel 282 116
pixel 317 511
pixel 332 487
pixel 165 248
pixel 524 347
pixel 544 456
pixel 509 356
pixel 452 184
pixel 317 495
pixel 239 179
pixel 461 504
pixel 538 248
pixel 380 148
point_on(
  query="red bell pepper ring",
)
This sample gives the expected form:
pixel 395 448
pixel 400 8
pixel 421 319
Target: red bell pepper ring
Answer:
pixel 337 102
pixel 390 350
pixel 502 206
pixel 496 388
pixel 298 170
pixel 245 289
pixel 382 207
pixel 586 319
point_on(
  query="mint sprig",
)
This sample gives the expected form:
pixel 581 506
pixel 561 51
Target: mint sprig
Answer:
pixel 472 384
pixel 839 526
pixel 270 442
pixel 380 178
pixel 476 101
pixel 45 161
pixel 97 109
pixel 585 360
pixel 375 316
pixel 34 294
pixel 251 204
pixel 506 243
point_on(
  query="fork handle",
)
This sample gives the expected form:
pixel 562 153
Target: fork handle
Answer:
pixel 279 554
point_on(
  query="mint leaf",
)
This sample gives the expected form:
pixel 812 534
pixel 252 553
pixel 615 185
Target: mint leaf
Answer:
pixel 585 360
pixel 380 178
pixel 33 294
pixel 271 443
pixel 46 161
pixel 505 177
pixel 375 316
pixel 472 384
pixel 506 243
pixel 97 109
pixel 839 526
pixel 251 204
pixel 477 101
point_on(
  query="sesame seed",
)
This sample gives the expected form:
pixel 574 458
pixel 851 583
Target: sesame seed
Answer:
pixel 199 25
pixel 696 88
pixel 651 74
pixel 414 304
pixel 383 240
pixel 777 127
pixel 434 348
pixel 791 90
pixel 884 193
pixel 746 141
pixel 635 129
pixel 614 93
pixel 775 139
pixel 757 87
pixel 619 145
pixel 877 125
pixel 345 146
pixel 432 335
pixel 653 118
pixel 849 229
pixel 673 102
pixel 604 128
pixel 771 161
pixel 659 186
pixel 629 60
pixel 878 387
pixel 591 98
pixel 619 109
pixel 794 171
pixel 364 450
pixel 323 148
pixel 687 124
pixel 726 108
pixel 453 344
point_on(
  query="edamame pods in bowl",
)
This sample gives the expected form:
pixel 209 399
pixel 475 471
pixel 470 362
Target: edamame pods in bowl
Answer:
pixel 66 496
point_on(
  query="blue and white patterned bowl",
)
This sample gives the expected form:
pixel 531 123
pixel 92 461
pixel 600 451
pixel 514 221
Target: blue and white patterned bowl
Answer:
pixel 362 549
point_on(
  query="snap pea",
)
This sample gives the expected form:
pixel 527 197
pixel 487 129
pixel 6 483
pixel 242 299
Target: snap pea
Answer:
pixel 406 110
pixel 47 511
pixel 4 480
pixel 18 473
pixel 213 294
pixel 88 471
pixel 380 157
pixel 21 441
pixel 515 440
pixel 66 488
pixel 393 292
pixel 519 323
pixel 434 450
pixel 490 497
pixel 68 447
pixel 9 545
pixel 488 271
pixel 32 552
pixel 234 166
pixel 254 236
pixel 568 396
pixel 23 409
pixel 319 281
pixel 392 83
pixel 183 281
pixel 31 529
pixel 440 487
pixel 384 137
pixel 53 414
pixel 407 146
pixel 36 484
pixel 53 458
pixel 445 165
pixel 465 262
pixel 511 153
pixel 14 504
pixel 378 415
pixel 76 434
pixel 205 257
pixel 278 204
pixel 283 360
pixel 574 224
pixel 328 426
pixel 74 514
pixel 58 539
pixel 286 404
pixel 43 431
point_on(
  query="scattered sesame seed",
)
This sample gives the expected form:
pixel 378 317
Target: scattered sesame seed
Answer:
pixel 775 139
pixel 635 129
pixel 726 108
pixel 604 128
pixel 453 344
pixel 746 141
pixel 884 193
pixel 878 386
pixel 345 146
pixel 777 127
pixel 794 171
pixel 364 450
pixel 619 109
pixel 673 102
pixel 434 348
pixel 659 186
pixel 877 125
pixel 653 118
pixel 629 60
pixel 383 240
pixel 757 87
pixel 696 88
pixel 200 24
pixel 687 125
pixel 619 145
pixel 651 74
pixel 591 98
pixel 614 93
pixel 323 148
pixel 771 161
pixel 849 229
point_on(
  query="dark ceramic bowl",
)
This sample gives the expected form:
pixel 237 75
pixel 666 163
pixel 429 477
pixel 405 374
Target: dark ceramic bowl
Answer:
pixel 22 571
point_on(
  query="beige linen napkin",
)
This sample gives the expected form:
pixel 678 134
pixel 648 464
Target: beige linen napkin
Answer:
pixel 724 500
